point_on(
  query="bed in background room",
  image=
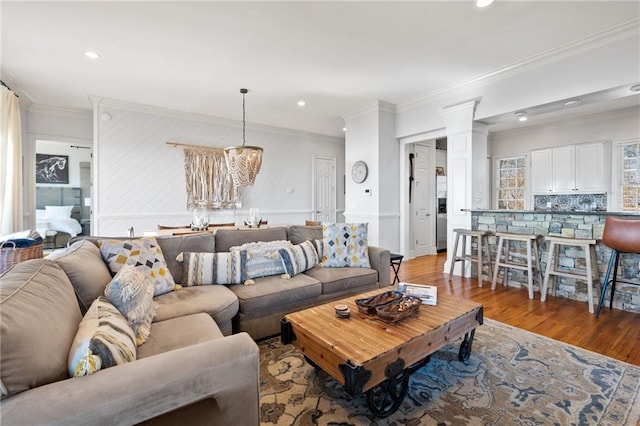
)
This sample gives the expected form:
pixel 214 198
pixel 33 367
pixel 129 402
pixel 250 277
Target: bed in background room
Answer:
pixel 58 214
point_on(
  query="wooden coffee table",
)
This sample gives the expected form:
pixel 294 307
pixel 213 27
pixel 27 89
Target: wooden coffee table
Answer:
pixel 365 354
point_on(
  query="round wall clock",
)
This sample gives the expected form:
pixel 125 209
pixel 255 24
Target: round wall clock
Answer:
pixel 359 171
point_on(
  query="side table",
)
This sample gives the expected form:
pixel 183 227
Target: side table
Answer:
pixel 396 261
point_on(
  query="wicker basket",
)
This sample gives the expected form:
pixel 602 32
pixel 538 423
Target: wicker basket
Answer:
pixel 369 305
pixel 398 309
pixel 9 256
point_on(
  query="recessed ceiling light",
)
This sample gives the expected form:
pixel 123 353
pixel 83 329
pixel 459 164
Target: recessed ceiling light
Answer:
pixel 301 103
pixel 344 129
pixel 483 3
pixel 522 116
pixel 92 55
pixel 572 103
pixel 635 88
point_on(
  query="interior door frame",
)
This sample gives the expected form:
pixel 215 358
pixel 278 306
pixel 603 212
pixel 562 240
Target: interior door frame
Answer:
pixel 406 248
pixel 314 179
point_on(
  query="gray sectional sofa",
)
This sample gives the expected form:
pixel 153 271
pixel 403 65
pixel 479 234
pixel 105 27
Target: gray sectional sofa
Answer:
pixel 200 365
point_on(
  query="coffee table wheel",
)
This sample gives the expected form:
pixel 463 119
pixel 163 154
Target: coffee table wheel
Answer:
pixel 465 347
pixel 385 399
pixel 311 363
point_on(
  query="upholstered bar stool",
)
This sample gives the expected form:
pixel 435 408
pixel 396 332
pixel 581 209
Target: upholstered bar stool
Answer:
pixel 591 271
pixel 622 236
pixel 483 244
pixel 506 259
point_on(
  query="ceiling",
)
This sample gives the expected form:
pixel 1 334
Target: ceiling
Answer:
pixel 337 56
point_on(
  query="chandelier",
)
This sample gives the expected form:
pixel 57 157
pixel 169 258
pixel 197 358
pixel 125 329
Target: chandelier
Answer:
pixel 243 161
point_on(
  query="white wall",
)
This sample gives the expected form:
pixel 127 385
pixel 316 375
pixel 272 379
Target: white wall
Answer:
pixel 140 179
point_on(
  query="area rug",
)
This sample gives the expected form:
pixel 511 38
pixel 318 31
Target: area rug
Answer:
pixel 512 377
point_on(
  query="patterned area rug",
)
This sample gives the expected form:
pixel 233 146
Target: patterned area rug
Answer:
pixel 513 377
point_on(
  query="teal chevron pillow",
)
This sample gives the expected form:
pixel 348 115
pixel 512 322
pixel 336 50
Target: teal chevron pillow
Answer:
pixel 299 258
pixel 345 244
pixel 213 268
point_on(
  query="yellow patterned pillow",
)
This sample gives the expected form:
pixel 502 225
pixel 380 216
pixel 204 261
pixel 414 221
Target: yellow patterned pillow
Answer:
pixel 345 245
pixel 145 254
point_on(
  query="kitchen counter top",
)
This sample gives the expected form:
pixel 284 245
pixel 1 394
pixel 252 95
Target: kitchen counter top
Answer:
pixel 563 212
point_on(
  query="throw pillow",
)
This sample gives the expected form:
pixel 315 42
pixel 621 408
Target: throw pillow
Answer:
pixel 131 292
pixel 104 339
pixel 345 244
pixel 319 246
pixel 213 268
pixel 299 258
pixel 263 259
pixel 143 253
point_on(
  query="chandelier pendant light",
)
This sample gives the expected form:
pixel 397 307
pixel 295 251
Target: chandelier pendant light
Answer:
pixel 243 161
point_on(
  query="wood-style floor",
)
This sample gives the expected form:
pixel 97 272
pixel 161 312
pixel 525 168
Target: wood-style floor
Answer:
pixel 616 333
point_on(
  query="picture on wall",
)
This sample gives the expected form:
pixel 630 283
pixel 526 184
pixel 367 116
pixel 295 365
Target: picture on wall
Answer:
pixel 52 168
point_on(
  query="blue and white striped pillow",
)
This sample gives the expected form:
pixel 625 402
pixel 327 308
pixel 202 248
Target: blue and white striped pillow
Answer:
pixel 214 268
pixel 299 258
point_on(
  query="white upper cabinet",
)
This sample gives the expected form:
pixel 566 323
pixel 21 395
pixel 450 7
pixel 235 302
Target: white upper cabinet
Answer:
pixel 569 169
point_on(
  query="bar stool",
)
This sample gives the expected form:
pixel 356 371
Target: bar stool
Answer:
pixel 552 271
pixel 483 243
pixel 622 236
pixel 531 243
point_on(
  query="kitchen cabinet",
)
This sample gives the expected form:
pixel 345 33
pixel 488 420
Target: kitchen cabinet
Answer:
pixel 569 169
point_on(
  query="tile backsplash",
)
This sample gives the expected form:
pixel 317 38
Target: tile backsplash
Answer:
pixel 571 202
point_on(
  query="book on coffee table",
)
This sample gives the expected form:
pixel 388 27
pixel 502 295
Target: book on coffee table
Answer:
pixel 427 293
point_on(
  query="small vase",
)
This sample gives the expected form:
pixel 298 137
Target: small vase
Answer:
pixel 200 219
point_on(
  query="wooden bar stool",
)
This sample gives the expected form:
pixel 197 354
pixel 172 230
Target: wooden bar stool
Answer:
pixel 622 236
pixel 503 258
pixel 591 271
pixel 483 244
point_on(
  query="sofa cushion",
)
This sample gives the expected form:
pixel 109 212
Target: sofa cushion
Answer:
pixel 39 316
pixel 179 332
pixel 215 300
pixel 299 258
pixel 271 293
pixel 214 268
pixel 345 245
pixel 338 279
pixel 172 245
pixel 131 292
pixel 263 259
pixel 227 238
pixel 143 253
pixel 104 339
pixel 300 233
pixel 86 270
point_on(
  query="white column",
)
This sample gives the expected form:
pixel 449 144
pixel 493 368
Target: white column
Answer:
pixel 467 172
pixel 370 137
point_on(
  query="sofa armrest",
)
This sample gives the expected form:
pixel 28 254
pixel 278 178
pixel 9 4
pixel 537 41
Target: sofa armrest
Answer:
pixel 379 259
pixel 224 369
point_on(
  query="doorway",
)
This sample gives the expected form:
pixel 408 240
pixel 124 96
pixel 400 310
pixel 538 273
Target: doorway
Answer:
pixel 422 206
pixel 324 189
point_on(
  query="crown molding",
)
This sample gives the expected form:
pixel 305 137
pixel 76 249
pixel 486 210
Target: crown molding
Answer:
pixel 80 113
pixel 105 103
pixel 377 106
pixel 625 30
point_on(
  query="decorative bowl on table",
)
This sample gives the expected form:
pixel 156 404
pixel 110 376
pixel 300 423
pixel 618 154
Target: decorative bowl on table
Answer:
pixel 398 309
pixel 369 304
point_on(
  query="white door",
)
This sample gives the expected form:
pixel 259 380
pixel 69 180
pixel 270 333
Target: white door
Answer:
pixel 423 225
pixel 324 189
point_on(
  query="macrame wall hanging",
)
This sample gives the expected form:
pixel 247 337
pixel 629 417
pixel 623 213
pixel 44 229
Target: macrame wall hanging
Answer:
pixel 208 182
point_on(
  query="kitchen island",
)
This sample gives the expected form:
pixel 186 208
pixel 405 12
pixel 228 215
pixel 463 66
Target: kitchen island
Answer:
pixel 569 224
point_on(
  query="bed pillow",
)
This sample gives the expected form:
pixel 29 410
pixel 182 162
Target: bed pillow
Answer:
pixel 104 339
pixel 299 258
pixel 263 259
pixel 143 253
pixel 345 245
pixel 214 268
pixel 132 293
pixel 57 212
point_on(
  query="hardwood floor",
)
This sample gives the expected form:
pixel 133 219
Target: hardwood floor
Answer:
pixel 616 333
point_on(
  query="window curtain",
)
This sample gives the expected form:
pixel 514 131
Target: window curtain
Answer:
pixel 11 207
pixel 209 184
